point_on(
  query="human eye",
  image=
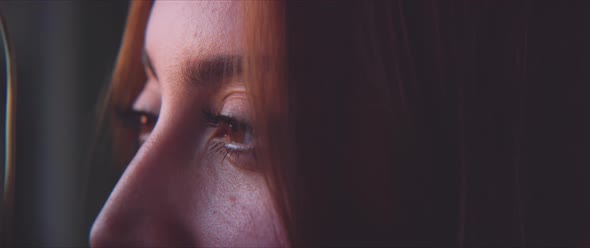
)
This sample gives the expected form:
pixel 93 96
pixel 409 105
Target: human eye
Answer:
pixel 232 139
pixel 142 122
pixel 141 117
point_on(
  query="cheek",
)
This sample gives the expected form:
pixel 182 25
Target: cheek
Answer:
pixel 234 208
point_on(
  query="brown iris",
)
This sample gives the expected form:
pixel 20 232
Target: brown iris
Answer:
pixel 232 133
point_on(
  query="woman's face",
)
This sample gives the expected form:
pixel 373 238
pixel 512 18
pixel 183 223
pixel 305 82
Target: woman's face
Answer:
pixel 194 181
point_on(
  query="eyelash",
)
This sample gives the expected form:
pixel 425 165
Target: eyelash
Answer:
pixel 136 119
pixel 143 122
pixel 224 148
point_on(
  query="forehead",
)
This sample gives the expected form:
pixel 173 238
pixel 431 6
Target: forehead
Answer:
pixel 195 29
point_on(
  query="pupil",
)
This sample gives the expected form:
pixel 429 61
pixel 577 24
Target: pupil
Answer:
pixel 237 135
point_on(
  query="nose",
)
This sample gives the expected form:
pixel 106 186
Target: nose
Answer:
pixel 144 208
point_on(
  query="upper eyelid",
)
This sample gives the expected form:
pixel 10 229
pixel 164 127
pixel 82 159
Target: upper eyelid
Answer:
pixel 149 99
pixel 216 118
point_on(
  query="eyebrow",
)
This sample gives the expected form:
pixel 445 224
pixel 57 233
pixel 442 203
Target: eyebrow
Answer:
pixel 212 69
pixel 147 62
pixel 203 71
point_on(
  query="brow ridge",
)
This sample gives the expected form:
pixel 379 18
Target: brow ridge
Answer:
pixel 211 70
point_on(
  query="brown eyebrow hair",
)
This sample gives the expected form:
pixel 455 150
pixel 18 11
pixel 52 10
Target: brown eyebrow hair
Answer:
pixel 147 62
pixel 200 71
pixel 213 69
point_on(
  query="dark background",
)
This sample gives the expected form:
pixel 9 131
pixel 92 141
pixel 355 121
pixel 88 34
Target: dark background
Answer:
pixel 65 51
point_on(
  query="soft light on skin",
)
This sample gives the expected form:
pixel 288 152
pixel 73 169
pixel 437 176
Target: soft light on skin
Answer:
pixel 176 191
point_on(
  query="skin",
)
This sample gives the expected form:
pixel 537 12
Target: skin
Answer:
pixel 178 191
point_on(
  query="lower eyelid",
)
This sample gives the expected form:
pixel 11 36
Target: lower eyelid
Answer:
pixel 240 148
pixel 240 157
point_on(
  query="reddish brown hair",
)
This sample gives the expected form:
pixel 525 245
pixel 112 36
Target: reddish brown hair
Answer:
pixel 419 122
pixel 127 82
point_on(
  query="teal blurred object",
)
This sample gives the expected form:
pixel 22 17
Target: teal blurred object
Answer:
pixel 9 136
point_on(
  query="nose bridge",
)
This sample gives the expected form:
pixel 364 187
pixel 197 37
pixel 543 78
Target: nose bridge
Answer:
pixel 144 206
